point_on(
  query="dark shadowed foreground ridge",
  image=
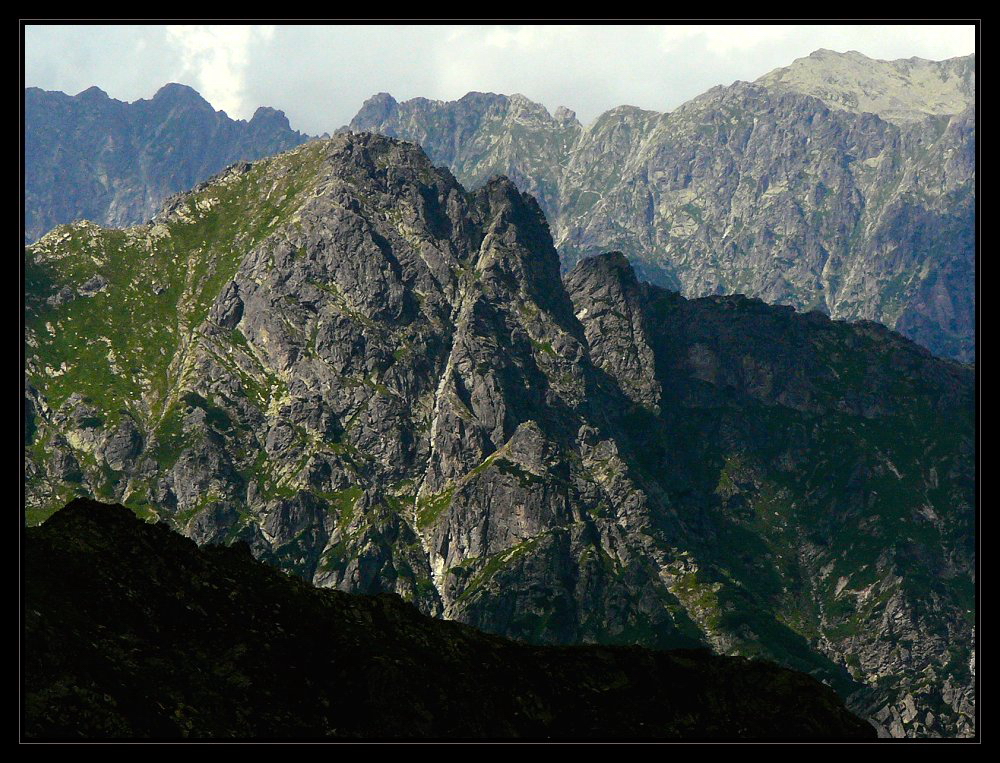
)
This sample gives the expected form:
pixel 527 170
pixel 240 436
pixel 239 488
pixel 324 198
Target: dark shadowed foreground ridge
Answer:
pixel 134 631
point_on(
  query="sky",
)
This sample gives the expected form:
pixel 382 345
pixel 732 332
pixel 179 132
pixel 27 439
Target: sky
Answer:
pixel 320 75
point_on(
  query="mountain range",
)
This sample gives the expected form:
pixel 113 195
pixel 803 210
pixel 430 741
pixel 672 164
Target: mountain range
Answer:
pixel 840 183
pixel 382 382
pixel 91 157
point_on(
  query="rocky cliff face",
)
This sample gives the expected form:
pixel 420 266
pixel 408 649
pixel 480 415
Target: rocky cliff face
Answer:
pixel 841 184
pixel 132 631
pixel 90 157
pixel 379 381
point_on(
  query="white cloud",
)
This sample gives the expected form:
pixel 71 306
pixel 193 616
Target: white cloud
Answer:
pixel 215 60
pixel 720 39
pixel 727 39
pixel 520 37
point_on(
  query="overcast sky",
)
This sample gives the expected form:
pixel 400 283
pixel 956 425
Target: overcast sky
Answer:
pixel 320 75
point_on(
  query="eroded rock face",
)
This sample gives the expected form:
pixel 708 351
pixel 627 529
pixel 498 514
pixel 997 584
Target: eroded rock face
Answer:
pixel 379 382
pixel 840 183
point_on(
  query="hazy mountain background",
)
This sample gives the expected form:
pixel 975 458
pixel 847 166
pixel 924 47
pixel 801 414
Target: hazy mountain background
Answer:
pixel 840 183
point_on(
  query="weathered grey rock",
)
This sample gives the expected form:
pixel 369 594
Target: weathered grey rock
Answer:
pixel 123 445
pixel 64 295
pixel 63 465
pixel 228 308
pixel 93 286
pixel 905 90
pixel 609 308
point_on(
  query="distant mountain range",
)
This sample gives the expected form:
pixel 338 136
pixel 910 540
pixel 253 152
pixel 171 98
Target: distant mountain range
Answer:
pixel 382 382
pixel 90 157
pixel 840 183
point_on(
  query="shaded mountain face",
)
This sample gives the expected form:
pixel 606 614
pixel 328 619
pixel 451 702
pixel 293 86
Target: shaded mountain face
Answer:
pixel 841 184
pixel 134 631
pixel 380 383
pixel 90 157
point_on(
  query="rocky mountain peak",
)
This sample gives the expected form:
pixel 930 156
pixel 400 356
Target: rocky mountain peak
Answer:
pixel 503 197
pixel 563 114
pixel 478 98
pixel 270 119
pixel 607 299
pixel 611 267
pixel 174 93
pixel 378 108
pixel 518 245
pixel 522 106
pixel 92 93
